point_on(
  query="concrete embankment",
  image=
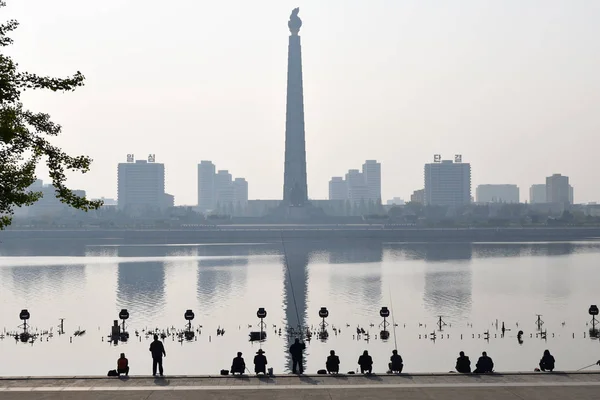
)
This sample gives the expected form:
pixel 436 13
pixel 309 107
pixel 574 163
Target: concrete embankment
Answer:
pixel 547 386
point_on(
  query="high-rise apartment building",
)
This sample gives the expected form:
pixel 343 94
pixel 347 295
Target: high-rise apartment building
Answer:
pixel 224 190
pixel 537 194
pixel 558 189
pixel 497 194
pixel 206 185
pixel 338 190
pixel 219 189
pixel 48 205
pixel 571 200
pixel 141 185
pixel 448 183
pixel 418 196
pixel 240 186
pixel 357 186
pixel 371 171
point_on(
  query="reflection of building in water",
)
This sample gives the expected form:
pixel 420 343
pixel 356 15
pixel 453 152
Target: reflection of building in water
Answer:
pixel 355 252
pixel 485 250
pixel 218 277
pixel 141 285
pixel 364 285
pixel 51 280
pixel 448 285
pixel 43 247
pixel 558 271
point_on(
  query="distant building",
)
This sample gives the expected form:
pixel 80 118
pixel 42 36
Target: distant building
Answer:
pixel 168 201
pixel 497 194
pixel 571 200
pixel 141 185
pixel 537 194
pixel 219 190
pixel 558 189
pixel 396 201
pixel 49 205
pixel 338 190
pixel 448 183
pixel 224 190
pixel 240 186
pixel 371 171
pixel 357 186
pixel 206 185
pixel 418 196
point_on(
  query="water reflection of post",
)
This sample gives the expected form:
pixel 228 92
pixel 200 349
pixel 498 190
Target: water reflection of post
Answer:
pixel 297 254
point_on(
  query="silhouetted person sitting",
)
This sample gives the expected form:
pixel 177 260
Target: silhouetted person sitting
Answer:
pixel 396 363
pixel 484 364
pixel 366 363
pixel 296 351
pixel 463 364
pixel 333 363
pixel 547 362
pixel 260 362
pixel 238 366
pixel 123 365
pixel 158 351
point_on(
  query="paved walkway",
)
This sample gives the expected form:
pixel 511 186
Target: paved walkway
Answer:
pixel 415 387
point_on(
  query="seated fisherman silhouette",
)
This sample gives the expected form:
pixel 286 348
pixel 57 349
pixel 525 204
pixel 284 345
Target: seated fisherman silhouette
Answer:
pixel 547 362
pixel 366 363
pixel 463 364
pixel 123 365
pixel 484 364
pixel 238 366
pixel 396 364
pixel 333 363
pixel 260 362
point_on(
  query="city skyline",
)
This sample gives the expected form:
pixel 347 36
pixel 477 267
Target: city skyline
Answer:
pixel 512 92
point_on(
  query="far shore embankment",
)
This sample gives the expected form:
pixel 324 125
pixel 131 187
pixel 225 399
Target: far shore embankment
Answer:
pixel 275 233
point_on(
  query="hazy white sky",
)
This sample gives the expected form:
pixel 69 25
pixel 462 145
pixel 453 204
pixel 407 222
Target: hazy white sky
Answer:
pixel 512 85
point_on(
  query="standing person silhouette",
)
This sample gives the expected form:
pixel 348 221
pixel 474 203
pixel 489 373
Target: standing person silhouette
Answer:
pixel 296 351
pixel 158 351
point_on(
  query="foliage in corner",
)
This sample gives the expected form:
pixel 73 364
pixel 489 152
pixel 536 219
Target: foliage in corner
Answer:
pixel 24 138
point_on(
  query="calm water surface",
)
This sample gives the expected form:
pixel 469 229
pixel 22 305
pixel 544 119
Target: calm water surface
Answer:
pixel 470 285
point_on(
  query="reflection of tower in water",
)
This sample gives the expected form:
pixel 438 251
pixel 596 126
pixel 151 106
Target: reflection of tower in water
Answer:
pixel 295 288
pixel 141 285
pixel 448 285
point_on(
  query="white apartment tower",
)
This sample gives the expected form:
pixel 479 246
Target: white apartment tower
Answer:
pixel 558 189
pixel 206 185
pixel 448 183
pixel 338 189
pixel 371 171
pixel 141 185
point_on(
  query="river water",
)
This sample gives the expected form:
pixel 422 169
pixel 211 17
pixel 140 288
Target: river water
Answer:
pixel 474 287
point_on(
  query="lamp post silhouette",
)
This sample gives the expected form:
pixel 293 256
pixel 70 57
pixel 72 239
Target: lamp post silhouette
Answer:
pixel 189 316
pixel 323 313
pixel 24 316
pixel 593 311
pixel 262 335
pixel 384 313
pixel 123 316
